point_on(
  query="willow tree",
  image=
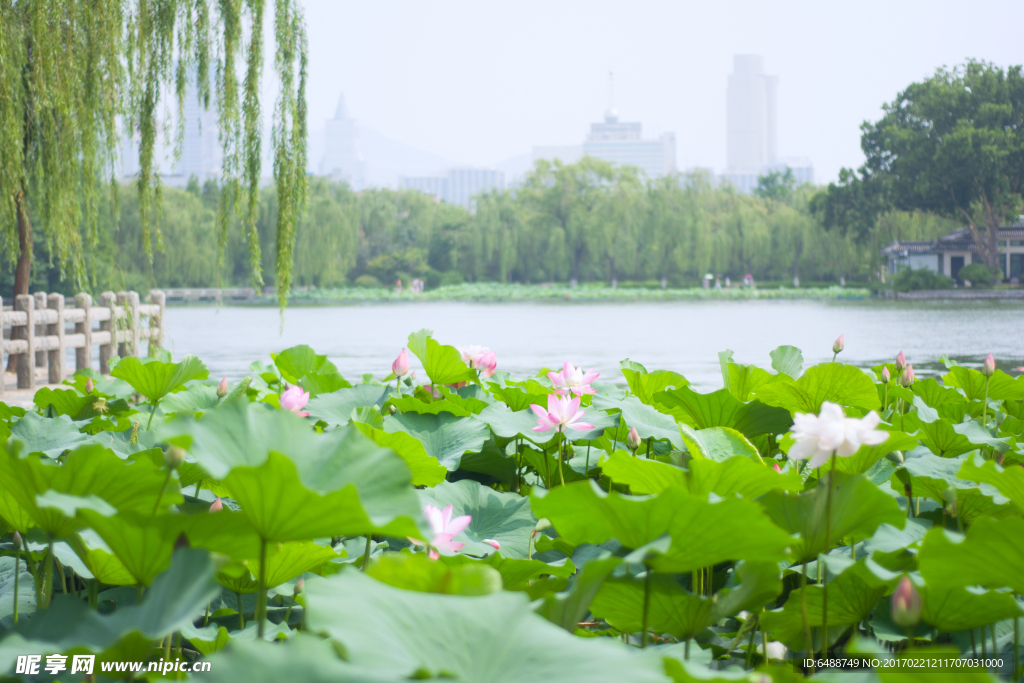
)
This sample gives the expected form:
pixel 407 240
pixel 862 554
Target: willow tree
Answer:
pixel 78 75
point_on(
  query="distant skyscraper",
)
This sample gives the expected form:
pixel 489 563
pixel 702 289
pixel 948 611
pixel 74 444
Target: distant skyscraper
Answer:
pixel 752 127
pixel 343 159
pixel 457 185
pixel 750 115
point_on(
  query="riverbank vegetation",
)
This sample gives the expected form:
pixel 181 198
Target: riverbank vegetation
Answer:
pixel 590 221
pixel 300 525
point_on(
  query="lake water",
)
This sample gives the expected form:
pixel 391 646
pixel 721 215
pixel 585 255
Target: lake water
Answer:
pixel 681 336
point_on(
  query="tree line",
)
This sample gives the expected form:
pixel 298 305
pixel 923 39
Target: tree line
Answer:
pixel 586 222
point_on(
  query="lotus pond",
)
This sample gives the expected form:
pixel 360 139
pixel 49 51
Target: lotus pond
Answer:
pixel 471 525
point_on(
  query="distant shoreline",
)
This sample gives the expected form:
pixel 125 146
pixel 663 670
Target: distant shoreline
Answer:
pixel 494 292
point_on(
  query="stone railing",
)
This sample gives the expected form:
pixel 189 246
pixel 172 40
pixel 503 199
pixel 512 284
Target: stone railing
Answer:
pixel 36 333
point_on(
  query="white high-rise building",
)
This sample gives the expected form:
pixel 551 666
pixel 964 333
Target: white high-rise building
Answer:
pixel 457 185
pixel 752 148
pixel 343 159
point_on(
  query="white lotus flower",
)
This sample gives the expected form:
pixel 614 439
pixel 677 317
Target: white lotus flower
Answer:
pixel 819 436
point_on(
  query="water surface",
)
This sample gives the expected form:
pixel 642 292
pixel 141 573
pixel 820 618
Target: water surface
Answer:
pixel 684 336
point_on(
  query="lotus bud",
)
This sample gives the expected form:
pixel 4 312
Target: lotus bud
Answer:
pixel 400 366
pixel 633 439
pixel 838 344
pixel 988 368
pixel 216 506
pixel 906 604
pixel 88 385
pixel 222 388
pixel 299 585
pixel 174 457
pixel 17 541
pixel 901 362
pixel 885 375
pixel 908 376
pixel 494 544
pixel 392 409
pixel 777 468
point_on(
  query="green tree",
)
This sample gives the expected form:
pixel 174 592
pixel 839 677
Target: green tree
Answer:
pixel 952 145
pixel 72 70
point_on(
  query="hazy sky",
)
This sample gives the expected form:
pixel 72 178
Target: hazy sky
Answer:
pixel 479 82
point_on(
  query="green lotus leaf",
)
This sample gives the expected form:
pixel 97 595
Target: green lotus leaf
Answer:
pixel 154 378
pixel 851 599
pixel 866 456
pixel 169 605
pixel 1000 385
pixel 503 517
pixel 197 397
pixel 1008 481
pixel 743 380
pixel 99 559
pixel 516 574
pixel 702 533
pixel 858 508
pixel 302 365
pixel 26 596
pixel 508 425
pixel 518 398
pixel 641 475
pixel 938 436
pixel 962 609
pixel 990 555
pixel 49 436
pixel 751 586
pixel 89 472
pixel 286 561
pixel 500 640
pixel 980 435
pixel 15 516
pixel 934 394
pixel 672 609
pixel 443 364
pixel 567 608
pixel 648 421
pixel 739 476
pixel 932 477
pixel 834 382
pixel 644 385
pixel 787 360
pixel 419 573
pixel 63 401
pixel 426 471
pixel 721 409
pixel 301 657
pixel 444 436
pixel 336 408
pixel 718 444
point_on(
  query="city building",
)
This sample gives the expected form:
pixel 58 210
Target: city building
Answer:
pixel 947 255
pixel 752 128
pixel 343 158
pixel 620 142
pixel 457 185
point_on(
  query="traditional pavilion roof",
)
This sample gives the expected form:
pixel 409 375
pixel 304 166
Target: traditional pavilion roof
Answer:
pixel 958 240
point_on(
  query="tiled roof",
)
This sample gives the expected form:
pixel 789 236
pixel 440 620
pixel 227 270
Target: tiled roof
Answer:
pixel 958 240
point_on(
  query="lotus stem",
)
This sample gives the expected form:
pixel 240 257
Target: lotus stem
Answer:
pixel 686 650
pixel 17 572
pixel 206 618
pixel 288 612
pixel 151 415
pixel 366 553
pixel 241 615
pixel 561 454
pixel 60 573
pixel 647 608
pixel 984 644
pixel 974 647
pixel 649 440
pixel 1016 647
pixel 586 467
pixel 764 642
pixel 828 546
pixel 47 587
pixel 261 603
pixel 693 581
pixel 167 647
pixel 806 617
pixel 984 406
pixel 199 487
pixel 139 590
pixel 167 480
pixel 750 647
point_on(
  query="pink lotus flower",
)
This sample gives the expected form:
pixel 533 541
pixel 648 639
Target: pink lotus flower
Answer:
pixel 901 362
pixel 487 363
pixel 400 366
pixel 885 375
pixel 633 439
pixel 216 506
pixel 445 528
pixel 573 380
pixel 222 388
pixel 905 607
pixel 472 354
pixel 908 376
pixel 777 468
pixel 491 542
pixel 819 436
pixel 295 399
pixel 838 345
pixel 988 368
pixel 562 413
